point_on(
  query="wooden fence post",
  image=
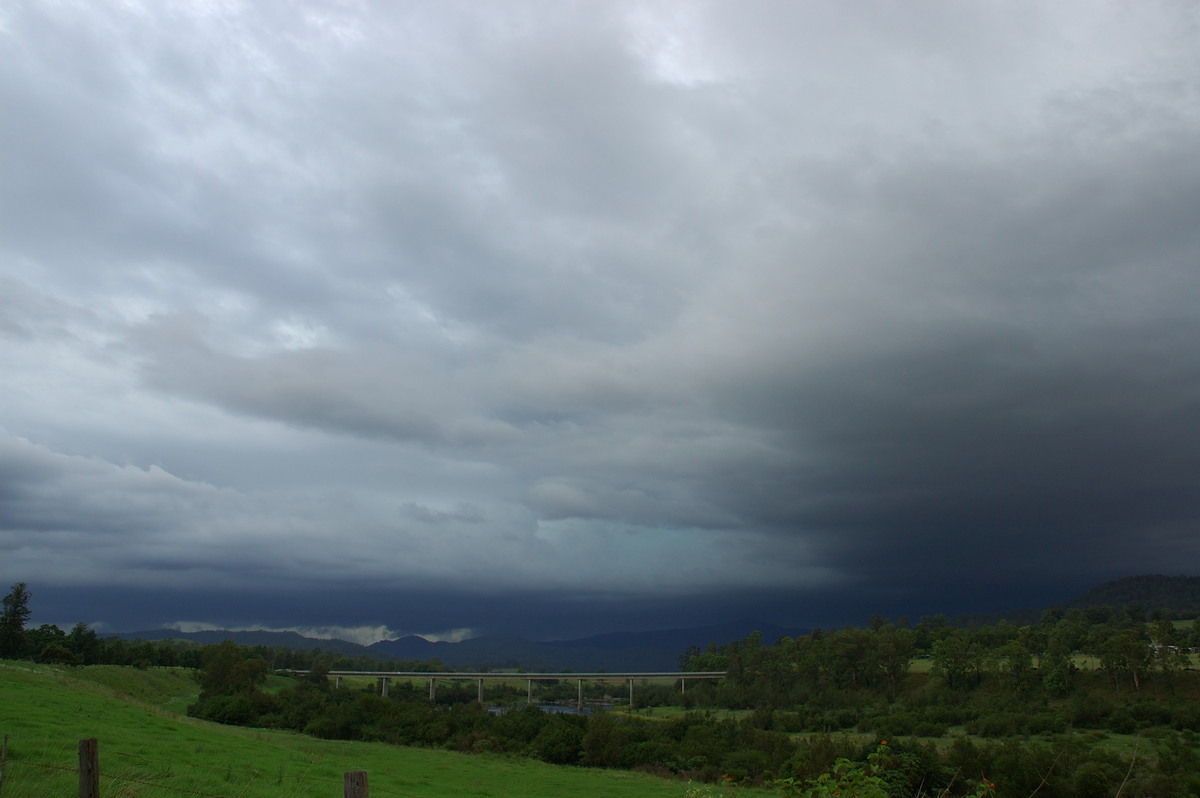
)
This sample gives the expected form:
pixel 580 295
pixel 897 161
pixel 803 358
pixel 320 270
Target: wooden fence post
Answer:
pixel 89 768
pixel 356 784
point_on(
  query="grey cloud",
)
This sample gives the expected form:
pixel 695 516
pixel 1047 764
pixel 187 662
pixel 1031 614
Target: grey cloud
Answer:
pixel 73 520
pixel 804 300
pixel 555 500
pixel 463 513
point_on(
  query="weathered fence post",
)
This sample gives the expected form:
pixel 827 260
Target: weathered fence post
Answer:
pixel 89 768
pixel 3 759
pixel 356 784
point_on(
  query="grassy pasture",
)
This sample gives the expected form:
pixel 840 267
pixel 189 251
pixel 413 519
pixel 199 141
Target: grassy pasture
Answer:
pixel 147 750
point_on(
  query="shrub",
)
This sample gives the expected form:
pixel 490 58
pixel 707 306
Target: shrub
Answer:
pixel 926 729
pixel 1089 711
pixel 1122 722
pixel 58 654
pixel 233 709
pixel 559 742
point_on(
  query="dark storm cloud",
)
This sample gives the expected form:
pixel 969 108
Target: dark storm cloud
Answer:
pixel 629 306
pixel 1038 415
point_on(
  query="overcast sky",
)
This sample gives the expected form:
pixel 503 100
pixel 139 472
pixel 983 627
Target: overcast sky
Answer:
pixel 558 317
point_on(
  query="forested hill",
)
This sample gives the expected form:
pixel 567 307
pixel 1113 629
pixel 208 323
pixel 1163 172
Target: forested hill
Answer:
pixel 628 651
pixel 1177 595
pixel 1148 596
pixel 289 640
pixel 632 651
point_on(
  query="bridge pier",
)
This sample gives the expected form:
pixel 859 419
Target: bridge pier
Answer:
pixel 384 677
pixel 337 682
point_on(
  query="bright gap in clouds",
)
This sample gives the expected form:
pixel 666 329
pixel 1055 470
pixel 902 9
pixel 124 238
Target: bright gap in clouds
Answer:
pixel 363 635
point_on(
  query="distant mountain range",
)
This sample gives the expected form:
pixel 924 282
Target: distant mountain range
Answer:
pixel 292 640
pixel 660 650
pixel 622 651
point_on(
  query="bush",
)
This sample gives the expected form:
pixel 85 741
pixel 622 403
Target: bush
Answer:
pixel 1150 713
pixel 1000 724
pixel 233 709
pixel 886 726
pixel 58 654
pixel 1047 723
pixel 560 742
pixel 746 765
pixel 926 729
pixel 1089 711
pixel 1121 722
pixel 1097 779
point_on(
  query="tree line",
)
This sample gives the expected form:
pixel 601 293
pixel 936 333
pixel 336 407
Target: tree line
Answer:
pixel 82 645
pixel 1070 655
pixel 1000 709
pixel 1014 707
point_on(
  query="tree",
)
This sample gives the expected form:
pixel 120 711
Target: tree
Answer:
pixel 954 658
pixel 57 654
pixel 559 742
pixel 12 621
pixel 604 743
pixel 893 650
pixel 318 674
pixel 226 672
pixel 36 640
pixel 1167 656
pixel 1014 662
pixel 1126 653
pixel 848 656
pixel 84 643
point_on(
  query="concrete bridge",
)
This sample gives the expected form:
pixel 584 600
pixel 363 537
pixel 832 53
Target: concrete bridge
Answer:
pixel 385 676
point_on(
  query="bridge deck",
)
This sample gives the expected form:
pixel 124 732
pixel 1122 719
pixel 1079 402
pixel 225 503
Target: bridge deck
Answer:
pixel 386 676
pixel 495 676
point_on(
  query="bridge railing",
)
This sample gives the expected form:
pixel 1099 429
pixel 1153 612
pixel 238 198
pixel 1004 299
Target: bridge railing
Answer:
pixel 385 676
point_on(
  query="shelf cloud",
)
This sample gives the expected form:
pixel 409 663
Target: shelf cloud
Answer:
pixel 565 318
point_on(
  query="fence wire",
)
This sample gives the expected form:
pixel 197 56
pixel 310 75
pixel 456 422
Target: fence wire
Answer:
pixel 13 782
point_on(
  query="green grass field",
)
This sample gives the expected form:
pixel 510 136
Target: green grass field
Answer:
pixel 149 750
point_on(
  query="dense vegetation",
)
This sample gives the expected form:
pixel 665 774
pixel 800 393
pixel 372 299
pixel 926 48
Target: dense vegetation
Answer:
pixel 1034 708
pixel 1177 596
pixel 1085 702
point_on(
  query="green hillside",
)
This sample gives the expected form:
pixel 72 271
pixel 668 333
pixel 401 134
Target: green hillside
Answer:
pixel 1176 595
pixel 148 750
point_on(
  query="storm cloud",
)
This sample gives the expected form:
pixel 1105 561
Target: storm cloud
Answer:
pixel 568 317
